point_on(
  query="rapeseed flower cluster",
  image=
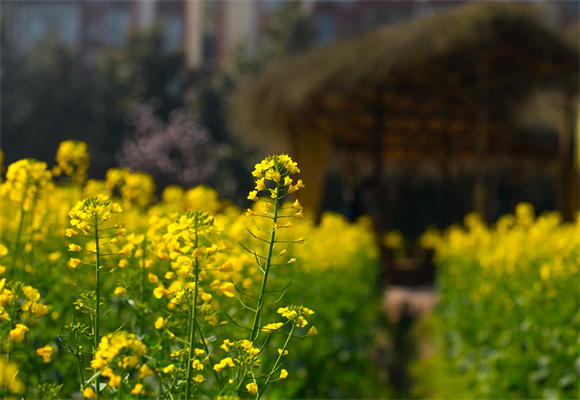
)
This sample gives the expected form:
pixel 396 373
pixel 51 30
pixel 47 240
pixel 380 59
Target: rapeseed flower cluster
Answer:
pixel 121 345
pixel 72 159
pixel 202 293
pixel 25 181
pixel 9 379
pixel 508 301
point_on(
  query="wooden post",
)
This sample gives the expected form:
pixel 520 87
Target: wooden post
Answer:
pixel 311 152
pixel 565 158
pixel 479 192
pixel 575 182
pixel 377 181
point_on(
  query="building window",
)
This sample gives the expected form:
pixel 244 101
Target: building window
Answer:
pixel 46 19
pixel 272 6
pixel 117 26
pixel 387 14
pixel 325 28
pixel 209 49
pixel 573 8
pixel 92 30
pixel 172 26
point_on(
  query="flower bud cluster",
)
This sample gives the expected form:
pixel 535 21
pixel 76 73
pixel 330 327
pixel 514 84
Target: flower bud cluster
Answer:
pixel 28 298
pixel 187 239
pixel 245 355
pixel 296 314
pixel 276 169
pixel 25 179
pixel 72 159
pixel 118 353
pixel 88 214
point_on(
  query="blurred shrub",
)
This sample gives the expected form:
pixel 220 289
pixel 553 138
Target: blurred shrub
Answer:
pixel 509 309
pixel 180 151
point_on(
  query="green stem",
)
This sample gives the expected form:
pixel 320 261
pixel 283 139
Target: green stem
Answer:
pixel 255 332
pixel 209 358
pixel 16 248
pixel 241 381
pixel 160 385
pixel 96 319
pixel 192 322
pixel 276 363
pixel 78 357
pixel 12 321
pixel 143 286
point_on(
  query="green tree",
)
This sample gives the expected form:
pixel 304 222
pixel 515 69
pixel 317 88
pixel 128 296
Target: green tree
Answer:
pixel 289 33
pixel 48 95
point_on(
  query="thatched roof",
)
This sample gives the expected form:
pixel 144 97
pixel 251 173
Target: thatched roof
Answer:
pixel 430 78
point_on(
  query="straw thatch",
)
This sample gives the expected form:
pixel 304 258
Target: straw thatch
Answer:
pixel 430 78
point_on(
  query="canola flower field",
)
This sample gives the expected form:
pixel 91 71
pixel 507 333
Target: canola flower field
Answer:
pixel 107 293
pixel 508 318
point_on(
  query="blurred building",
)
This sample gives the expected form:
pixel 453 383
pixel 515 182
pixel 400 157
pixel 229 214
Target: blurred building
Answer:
pixel 90 25
pixel 205 29
pixel 338 20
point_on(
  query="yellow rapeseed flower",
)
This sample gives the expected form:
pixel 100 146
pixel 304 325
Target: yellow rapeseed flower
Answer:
pixel 253 195
pixel 89 393
pixel 197 365
pixel 252 388
pixel 228 289
pixel 160 291
pixel 45 352
pixel 160 323
pixel 74 247
pixel 312 331
pixel 145 371
pixel 17 334
pixel 71 233
pixel 226 345
pixel 260 185
pixel 138 389
pixel 272 327
pixel 120 290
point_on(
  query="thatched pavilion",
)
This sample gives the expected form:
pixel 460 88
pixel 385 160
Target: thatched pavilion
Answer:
pixel 444 89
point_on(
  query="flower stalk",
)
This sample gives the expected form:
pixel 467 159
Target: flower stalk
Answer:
pixel 254 332
pixel 193 314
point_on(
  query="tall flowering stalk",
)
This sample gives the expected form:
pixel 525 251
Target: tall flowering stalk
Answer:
pixel 188 242
pixel 88 216
pixel 25 181
pixel 276 169
pixel 273 175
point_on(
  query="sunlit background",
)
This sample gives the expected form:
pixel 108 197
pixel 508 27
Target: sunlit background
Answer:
pixel 416 113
